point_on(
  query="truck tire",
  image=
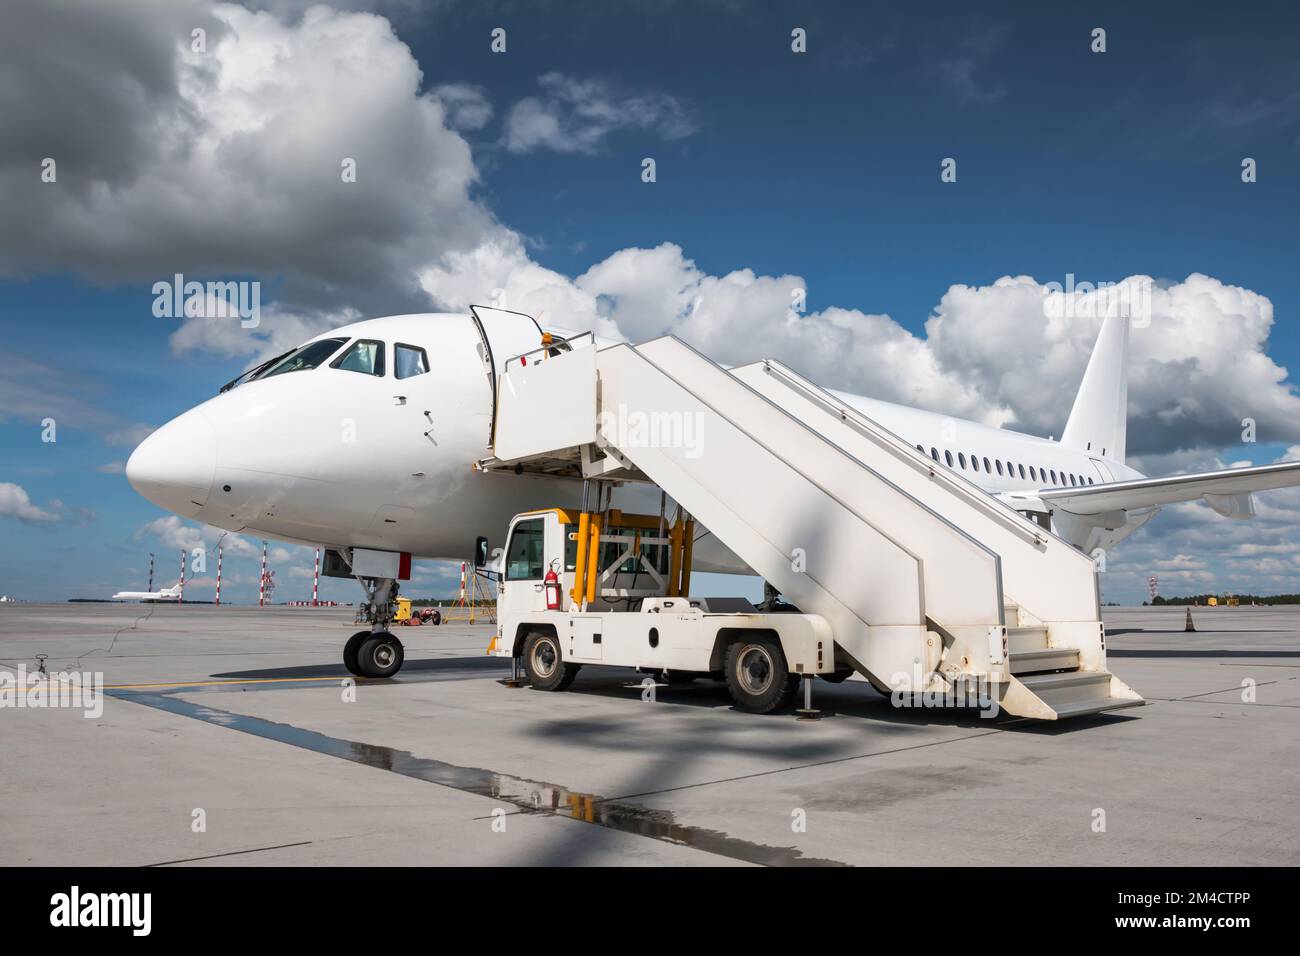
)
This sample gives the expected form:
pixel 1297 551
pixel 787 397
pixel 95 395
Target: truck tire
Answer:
pixel 758 677
pixel 381 655
pixel 350 652
pixel 544 663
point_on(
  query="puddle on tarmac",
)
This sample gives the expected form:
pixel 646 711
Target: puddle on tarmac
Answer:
pixel 529 796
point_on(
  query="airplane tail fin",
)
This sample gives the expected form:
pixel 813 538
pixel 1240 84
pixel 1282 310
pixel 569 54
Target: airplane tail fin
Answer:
pixel 1098 421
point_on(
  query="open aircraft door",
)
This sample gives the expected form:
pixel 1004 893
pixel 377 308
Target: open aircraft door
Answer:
pixel 504 335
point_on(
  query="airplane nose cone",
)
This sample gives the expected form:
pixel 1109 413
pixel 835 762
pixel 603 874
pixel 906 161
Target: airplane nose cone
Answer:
pixel 174 467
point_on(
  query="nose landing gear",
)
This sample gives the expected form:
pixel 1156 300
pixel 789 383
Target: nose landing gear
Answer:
pixel 375 653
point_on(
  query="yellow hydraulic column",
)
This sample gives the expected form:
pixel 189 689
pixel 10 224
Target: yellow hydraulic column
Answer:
pixel 674 557
pixel 579 590
pixel 688 546
pixel 593 558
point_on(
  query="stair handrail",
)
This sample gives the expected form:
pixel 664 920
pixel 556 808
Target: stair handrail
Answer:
pixel 972 494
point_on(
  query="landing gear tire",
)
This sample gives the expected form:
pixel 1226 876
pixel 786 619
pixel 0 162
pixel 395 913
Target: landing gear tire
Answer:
pixel 758 677
pixel 380 655
pixel 350 652
pixel 544 663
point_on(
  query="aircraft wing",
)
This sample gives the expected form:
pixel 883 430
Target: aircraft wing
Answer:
pixel 1226 491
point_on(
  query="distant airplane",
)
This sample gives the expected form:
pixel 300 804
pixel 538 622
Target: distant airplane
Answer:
pixel 166 594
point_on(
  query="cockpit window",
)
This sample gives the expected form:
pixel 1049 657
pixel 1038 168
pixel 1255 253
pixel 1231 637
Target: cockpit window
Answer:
pixel 409 360
pixel 309 356
pixel 366 356
pixel 253 372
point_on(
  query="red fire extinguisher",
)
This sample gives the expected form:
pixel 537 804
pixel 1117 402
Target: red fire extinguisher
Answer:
pixel 552 584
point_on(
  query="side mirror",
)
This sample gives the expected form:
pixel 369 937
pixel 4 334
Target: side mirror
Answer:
pixel 480 552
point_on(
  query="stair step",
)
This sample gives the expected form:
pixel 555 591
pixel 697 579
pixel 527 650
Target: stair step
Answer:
pixel 1060 691
pixel 1085 708
pixel 1044 660
pixel 1020 639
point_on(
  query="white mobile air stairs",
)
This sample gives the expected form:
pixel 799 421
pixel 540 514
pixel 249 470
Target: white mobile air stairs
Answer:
pixel 928 583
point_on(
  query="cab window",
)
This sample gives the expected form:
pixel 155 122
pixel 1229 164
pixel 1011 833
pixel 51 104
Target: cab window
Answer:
pixel 526 555
pixel 365 356
pixel 309 356
pixel 409 360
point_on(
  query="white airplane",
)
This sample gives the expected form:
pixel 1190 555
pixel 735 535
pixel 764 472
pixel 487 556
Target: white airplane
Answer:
pixel 166 594
pixel 365 437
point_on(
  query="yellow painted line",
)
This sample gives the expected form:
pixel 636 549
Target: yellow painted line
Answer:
pixel 211 683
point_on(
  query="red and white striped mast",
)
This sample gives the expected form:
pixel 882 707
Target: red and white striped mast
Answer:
pixel 180 598
pixel 218 575
pixel 149 586
pixel 315 582
pixel 261 587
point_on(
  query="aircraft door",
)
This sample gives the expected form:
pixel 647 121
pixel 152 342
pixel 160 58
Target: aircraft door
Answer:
pixel 503 335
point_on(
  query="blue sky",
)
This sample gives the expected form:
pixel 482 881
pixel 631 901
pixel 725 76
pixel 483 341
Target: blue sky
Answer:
pixel 822 165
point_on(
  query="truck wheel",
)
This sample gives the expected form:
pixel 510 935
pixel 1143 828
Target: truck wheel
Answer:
pixel 350 652
pixel 758 677
pixel 545 664
pixel 381 655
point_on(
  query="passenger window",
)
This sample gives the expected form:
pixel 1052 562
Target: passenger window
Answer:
pixel 934 453
pixel 527 552
pixel 999 464
pixel 947 455
pixel 974 462
pixel 1053 473
pixel 1022 472
pixel 409 361
pixel 365 356
pixel 961 459
pixel 986 465
pixel 309 356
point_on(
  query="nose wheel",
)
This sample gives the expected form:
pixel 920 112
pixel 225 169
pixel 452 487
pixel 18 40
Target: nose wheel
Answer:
pixel 376 655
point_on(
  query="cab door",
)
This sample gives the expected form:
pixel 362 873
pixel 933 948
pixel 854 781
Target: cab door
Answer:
pixel 523 565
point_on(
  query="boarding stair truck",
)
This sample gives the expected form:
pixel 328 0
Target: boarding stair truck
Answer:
pixel 601 587
pixel 927 585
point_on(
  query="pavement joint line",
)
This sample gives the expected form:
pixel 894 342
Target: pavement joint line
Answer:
pixel 215 856
pixel 1266 683
pixel 1192 700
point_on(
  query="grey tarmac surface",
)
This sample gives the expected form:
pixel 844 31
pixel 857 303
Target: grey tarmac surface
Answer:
pixel 241 713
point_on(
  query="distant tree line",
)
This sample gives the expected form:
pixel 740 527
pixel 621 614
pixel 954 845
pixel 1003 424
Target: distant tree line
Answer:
pixel 1203 599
